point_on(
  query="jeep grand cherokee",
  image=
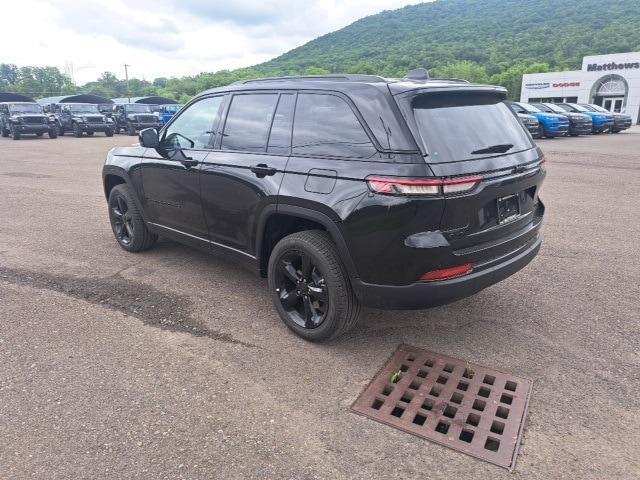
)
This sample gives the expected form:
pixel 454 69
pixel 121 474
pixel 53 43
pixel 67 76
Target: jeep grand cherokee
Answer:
pixel 343 190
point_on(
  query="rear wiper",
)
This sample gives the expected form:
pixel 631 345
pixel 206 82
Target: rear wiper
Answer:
pixel 500 148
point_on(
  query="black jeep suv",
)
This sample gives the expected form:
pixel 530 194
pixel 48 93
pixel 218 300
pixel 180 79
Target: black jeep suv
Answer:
pixel 342 190
pixel 80 118
pixel 25 118
pixel 133 117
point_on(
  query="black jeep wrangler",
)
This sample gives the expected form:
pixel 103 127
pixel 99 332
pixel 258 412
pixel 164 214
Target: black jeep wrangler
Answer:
pixel 80 118
pixel 133 117
pixel 342 190
pixel 25 118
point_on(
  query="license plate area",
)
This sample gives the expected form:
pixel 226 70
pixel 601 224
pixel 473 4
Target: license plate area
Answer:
pixel 508 208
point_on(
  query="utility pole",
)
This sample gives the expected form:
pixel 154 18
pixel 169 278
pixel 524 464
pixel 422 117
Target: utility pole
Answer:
pixel 126 76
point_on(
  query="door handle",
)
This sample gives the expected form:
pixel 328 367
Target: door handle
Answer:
pixel 189 162
pixel 262 170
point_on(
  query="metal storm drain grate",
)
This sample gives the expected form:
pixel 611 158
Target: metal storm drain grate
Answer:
pixel 466 407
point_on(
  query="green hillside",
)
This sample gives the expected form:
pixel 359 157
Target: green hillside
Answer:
pixel 478 39
pixel 489 41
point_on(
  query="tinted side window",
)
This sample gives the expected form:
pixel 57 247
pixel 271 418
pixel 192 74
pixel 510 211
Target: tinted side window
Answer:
pixel 194 127
pixel 280 137
pixel 326 125
pixel 248 122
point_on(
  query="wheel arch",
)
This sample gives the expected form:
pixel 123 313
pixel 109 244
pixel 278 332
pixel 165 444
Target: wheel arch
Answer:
pixel 113 176
pixel 291 219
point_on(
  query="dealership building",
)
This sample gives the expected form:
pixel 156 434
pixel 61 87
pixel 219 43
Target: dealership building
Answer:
pixel 611 81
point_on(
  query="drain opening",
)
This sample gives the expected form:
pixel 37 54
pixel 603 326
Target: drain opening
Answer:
pixel 502 412
pixel 397 411
pixel 484 392
pixel 492 444
pixel 466 436
pixel 419 419
pixel 442 427
pixel 457 398
pixel 497 427
pixel 377 404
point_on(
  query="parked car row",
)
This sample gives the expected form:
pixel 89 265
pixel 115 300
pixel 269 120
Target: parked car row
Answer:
pixel 56 119
pixel 561 119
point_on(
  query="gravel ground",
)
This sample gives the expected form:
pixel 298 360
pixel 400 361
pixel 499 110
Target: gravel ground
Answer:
pixel 173 364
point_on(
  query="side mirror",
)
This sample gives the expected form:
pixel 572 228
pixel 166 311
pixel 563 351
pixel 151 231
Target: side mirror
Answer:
pixel 149 138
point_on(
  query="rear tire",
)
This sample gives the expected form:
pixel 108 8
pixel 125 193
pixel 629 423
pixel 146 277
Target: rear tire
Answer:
pixel 314 299
pixel 131 130
pixel 127 223
pixel 5 132
pixel 109 133
pixel 540 133
pixel 53 132
pixel 60 130
pixel 15 135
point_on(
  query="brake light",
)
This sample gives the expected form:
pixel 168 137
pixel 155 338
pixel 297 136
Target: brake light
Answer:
pixel 422 186
pixel 447 273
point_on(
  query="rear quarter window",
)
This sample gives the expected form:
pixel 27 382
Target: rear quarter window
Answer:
pixel 325 125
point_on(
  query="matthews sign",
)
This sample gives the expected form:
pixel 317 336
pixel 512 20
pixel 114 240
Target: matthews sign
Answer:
pixel 596 67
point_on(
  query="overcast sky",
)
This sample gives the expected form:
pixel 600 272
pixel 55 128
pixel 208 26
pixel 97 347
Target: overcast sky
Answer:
pixel 167 37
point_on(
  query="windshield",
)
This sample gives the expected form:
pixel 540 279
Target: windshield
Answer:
pixel 173 108
pixel 467 126
pixel 529 108
pixel 83 108
pixel 597 108
pixel 25 108
pixel 577 107
pixel 554 108
pixel 542 107
pixel 138 108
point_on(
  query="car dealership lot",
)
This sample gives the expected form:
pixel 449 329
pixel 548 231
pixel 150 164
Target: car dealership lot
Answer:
pixel 174 364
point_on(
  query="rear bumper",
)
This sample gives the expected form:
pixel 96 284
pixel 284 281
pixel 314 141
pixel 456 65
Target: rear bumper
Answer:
pixel 430 294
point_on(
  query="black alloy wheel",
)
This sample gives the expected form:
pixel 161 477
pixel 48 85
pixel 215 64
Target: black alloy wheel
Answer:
pixel 310 286
pixel 127 223
pixel 121 221
pixel 302 289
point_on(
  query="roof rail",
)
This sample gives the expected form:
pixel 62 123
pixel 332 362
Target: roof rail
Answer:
pixel 337 77
pixel 455 80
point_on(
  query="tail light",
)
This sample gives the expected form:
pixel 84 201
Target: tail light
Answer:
pixel 447 273
pixel 422 186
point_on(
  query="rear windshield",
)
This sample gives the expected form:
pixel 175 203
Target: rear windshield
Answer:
pixel 467 126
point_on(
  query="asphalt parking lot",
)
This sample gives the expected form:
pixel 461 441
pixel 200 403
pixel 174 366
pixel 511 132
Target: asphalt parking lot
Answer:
pixel 173 364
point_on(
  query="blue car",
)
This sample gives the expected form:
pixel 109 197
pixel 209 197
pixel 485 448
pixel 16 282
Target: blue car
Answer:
pixel 168 111
pixel 550 124
pixel 602 122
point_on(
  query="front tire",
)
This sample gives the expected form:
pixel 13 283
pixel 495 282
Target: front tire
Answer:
pixel 77 132
pixel 310 286
pixel 131 130
pixel 15 134
pixel 127 223
pixel 109 133
pixel 60 130
pixel 53 132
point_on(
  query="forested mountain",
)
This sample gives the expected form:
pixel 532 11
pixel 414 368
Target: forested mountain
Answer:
pixel 493 41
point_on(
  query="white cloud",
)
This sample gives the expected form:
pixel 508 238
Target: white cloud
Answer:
pixel 168 37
